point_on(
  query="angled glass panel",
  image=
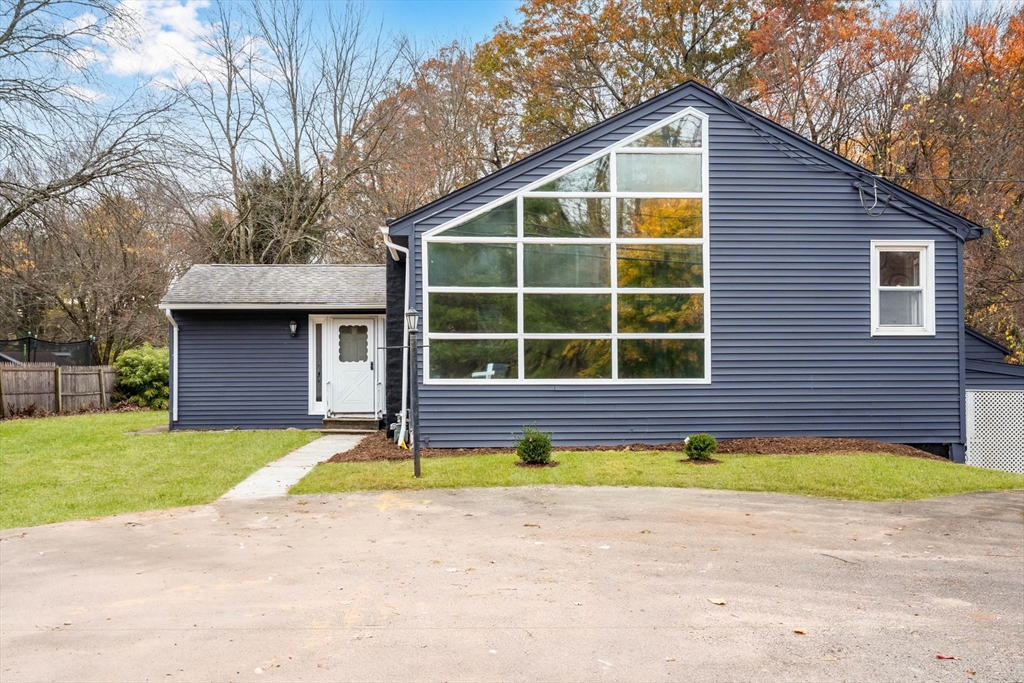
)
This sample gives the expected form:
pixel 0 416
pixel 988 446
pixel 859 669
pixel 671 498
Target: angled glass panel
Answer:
pixel 566 265
pixel 482 359
pixel 660 217
pixel 658 172
pixel 352 343
pixel 590 178
pixel 470 312
pixel 661 265
pixel 567 358
pixel 566 217
pixel 471 265
pixel 661 358
pixel 661 313
pixel 570 313
pixel 498 222
pixel 684 132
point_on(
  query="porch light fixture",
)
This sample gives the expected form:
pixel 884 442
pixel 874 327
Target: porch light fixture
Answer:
pixel 293 327
pixel 412 318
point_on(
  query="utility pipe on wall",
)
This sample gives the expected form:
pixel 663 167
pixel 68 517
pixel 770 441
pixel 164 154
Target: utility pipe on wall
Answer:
pixel 174 365
pixel 394 248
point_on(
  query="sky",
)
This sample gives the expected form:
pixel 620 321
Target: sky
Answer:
pixel 166 33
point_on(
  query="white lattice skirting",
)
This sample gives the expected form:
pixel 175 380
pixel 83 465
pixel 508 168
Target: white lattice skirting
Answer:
pixel 995 430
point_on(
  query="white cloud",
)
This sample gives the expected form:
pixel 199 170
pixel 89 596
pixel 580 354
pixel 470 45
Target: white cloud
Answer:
pixel 160 37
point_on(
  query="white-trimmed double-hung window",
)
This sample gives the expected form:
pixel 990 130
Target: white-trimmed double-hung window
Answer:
pixel 902 287
pixel 596 274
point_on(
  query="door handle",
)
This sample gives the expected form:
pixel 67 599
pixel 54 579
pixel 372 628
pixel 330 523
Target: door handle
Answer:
pixel 371 365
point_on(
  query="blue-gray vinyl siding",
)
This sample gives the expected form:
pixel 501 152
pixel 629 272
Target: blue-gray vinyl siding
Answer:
pixel 986 366
pixel 243 369
pixel 791 346
pixel 979 349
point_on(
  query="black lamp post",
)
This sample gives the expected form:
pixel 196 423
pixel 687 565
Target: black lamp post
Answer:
pixel 412 320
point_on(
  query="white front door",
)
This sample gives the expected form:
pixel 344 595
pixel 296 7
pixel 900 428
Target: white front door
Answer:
pixel 352 382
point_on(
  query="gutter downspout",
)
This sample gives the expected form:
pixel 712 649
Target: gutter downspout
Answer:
pixel 394 248
pixel 174 368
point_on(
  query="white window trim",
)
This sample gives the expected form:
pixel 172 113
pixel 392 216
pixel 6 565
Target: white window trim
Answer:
pixel 434 235
pixel 317 407
pixel 927 250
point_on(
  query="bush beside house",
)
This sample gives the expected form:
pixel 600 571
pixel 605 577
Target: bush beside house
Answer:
pixel 143 377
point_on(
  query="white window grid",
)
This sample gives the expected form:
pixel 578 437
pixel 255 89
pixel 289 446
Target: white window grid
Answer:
pixel 926 248
pixel 613 240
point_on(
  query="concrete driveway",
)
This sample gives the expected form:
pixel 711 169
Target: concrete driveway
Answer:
pixel 552 584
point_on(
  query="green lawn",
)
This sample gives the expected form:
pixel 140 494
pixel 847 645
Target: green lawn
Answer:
pixel 59 468
pixel 849 477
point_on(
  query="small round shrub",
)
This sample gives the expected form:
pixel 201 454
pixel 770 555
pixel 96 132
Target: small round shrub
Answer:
pixel 534 446
pixel 700 446
pixel 143 377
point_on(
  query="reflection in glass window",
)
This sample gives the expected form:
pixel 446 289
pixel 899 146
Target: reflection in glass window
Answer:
pixel 661 265
pixel 472 265
pixel 566 265
pixel 683 132
pixel 662 217
pixel 661 313
pixel 568 358
pixel 590 178
pixel 661 358
pixel 567 313
pixel 474 358
pixel 498 222
pixel 566 217
pixel 472 312
pixel 658 172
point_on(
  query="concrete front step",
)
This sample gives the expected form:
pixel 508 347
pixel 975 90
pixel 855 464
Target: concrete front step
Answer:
pixel 347 431
pixel 358 424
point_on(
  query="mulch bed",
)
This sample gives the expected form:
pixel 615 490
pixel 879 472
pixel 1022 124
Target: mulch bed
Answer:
pixel 379 447
pixel 537 465
pixel 709 461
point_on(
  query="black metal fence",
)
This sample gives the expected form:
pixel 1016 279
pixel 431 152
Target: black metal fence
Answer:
pixel 32 350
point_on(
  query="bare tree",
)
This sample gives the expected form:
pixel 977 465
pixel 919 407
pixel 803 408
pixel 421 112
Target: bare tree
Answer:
pixel 56 137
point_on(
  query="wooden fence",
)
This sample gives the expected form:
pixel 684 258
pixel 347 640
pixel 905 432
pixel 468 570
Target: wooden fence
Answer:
pixel 54 389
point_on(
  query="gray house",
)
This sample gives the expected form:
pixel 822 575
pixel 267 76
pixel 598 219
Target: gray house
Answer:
pixel 684 266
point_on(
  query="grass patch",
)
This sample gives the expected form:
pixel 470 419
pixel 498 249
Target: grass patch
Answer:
pixel 59 468
pixel 872 477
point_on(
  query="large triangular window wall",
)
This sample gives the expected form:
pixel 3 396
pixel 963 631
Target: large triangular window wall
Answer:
pixel 593 274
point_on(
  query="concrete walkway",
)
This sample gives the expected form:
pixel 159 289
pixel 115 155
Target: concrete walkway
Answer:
pixel 274 480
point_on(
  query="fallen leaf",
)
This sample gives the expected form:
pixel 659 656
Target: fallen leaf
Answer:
pixel 799 632
pixel 716 602
pixel 942 656
pixel 537 526
pixel 971 672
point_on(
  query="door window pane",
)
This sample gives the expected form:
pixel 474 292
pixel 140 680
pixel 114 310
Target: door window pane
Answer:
pixel 684 132
pixel 568 358
pixel 498 222
pixel 566 217
pixel 661 313
pixel 353 343
pixel 660 217
pixel 566 265
pixel 661 358
pixel 661 265
pixel 896 308
pixel 899 268
pixel 481 359
pixel 472 312
pixel 579 313
pixel 590 178
pixel 319 356
pixel 658 172
pixel 472 265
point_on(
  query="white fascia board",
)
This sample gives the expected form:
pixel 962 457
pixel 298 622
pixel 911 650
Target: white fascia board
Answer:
pixel 270 307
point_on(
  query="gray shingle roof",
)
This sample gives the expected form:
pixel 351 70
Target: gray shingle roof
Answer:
pixel 320 286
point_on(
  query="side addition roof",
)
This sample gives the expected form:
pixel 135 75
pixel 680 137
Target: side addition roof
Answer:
pixel 353 287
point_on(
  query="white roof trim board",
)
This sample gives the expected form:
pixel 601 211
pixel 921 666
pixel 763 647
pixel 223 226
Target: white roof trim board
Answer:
pixel 320 287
